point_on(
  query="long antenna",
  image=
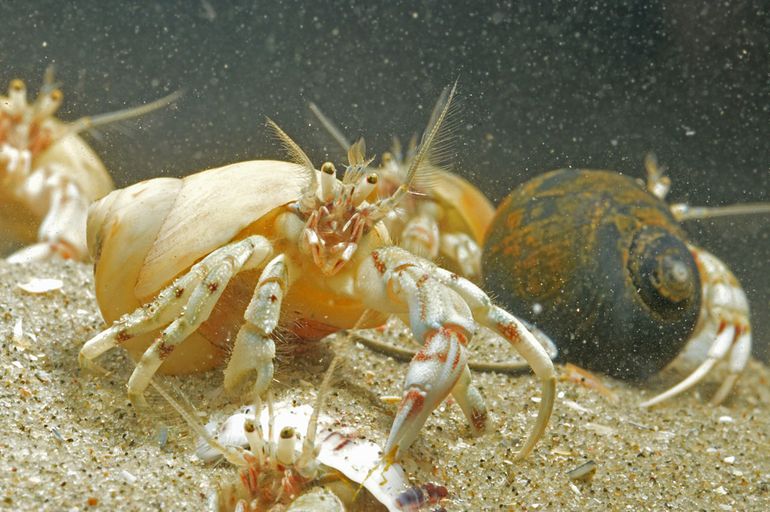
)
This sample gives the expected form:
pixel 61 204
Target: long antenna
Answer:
pixel 682 211
pixel 330 127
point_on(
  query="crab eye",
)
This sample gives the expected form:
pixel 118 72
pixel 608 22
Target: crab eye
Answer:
pixel 16 85
pixel 372 179
pixel 328 181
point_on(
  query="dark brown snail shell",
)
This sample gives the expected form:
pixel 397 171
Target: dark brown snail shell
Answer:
pixel 600 265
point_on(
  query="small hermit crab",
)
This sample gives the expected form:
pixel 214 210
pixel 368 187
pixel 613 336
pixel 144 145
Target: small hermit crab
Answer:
pixel 444 217
pixel 602 265
pixel 232 253
pixel 48 174
pixel 285 451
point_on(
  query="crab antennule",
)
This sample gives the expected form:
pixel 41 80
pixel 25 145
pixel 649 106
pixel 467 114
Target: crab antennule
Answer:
pixel 307 202
pixel 432 134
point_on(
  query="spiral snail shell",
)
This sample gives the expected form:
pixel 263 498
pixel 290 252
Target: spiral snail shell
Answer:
pixel 601 265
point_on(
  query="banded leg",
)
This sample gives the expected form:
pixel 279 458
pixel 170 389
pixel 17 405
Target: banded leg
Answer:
pixel 183 306
pixel 398 282
pixel 723 326
pixel 420 236
pixel 443 309
pixel 254 347
pixel 517 334
pixel 462 249
pixel 470 401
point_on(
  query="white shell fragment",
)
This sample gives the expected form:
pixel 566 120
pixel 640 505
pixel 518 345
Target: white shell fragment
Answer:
pixel 583 473
pixel 358 459
pixel 41 285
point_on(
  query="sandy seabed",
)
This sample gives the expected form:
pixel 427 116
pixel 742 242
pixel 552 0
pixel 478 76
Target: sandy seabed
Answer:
pixel 72 441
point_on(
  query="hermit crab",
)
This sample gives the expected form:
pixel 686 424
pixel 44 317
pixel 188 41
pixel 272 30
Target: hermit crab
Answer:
pixel 601 264
pixel 48 174
pixel 189 270
pixel 444 216
pixel 285 451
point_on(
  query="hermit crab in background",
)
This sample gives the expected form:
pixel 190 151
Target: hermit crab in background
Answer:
pixel 602 265
pixel 48 174
pixel 184 266
pixel 444 217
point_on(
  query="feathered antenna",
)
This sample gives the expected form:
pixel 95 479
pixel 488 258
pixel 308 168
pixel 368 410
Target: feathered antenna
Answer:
pixel 308 200
pixel 436 144
pixel 432 147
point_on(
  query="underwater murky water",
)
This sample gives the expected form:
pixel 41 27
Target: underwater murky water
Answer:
pixel 540 87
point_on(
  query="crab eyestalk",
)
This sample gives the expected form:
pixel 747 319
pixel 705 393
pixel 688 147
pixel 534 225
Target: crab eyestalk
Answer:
pixel 328 181
pixel 47 104
pixel 366 186
pixel 285 451
pixel 17 96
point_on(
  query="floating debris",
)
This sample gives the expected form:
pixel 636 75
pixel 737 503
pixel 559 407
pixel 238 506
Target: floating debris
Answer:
pixel 583 473
pixel 41 285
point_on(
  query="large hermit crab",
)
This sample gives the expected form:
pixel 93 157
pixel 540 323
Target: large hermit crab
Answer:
pixel 444 217
pixel 48 174
pixel 232 253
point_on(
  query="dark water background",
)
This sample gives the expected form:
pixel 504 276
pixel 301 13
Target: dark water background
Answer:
pixel 542 85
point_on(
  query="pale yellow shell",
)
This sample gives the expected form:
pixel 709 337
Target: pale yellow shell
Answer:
pixel 466 209
pixel 144 236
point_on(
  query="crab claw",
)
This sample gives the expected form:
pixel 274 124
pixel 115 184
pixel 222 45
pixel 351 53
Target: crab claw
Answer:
pixel 432 375
pixel 723 324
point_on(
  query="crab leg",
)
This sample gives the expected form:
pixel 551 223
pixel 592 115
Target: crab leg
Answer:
pixel 15 166
pixel 420 236
pixel 724 321
pixel 441 315
pixel 517 334
pixel 61 231
pixel 186 304
pixel 254 348
pixel 395 281
pixel 461 248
